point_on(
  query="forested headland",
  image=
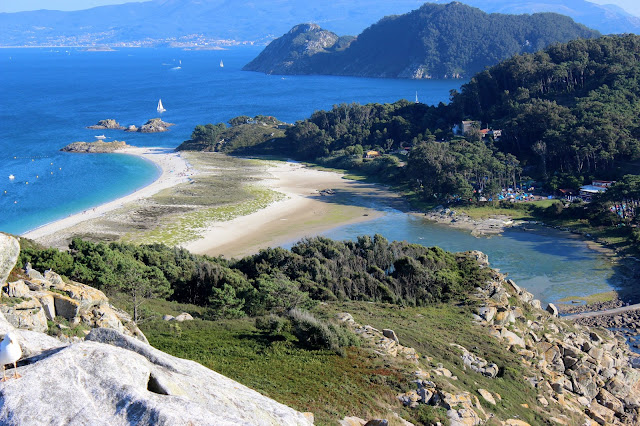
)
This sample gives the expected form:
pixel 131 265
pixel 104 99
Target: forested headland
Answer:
pixel 434 41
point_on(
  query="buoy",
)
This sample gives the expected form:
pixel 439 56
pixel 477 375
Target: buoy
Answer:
pixel 37 176
pixel 27 183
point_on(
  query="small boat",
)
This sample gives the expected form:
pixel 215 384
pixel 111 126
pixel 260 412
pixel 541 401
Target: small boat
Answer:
pixel 160 107
pixel 11 177
pixel 100 137
pixel 221 64
pixel 417 101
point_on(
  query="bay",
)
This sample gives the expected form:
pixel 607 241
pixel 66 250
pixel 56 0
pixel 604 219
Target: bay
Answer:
pixel 49 97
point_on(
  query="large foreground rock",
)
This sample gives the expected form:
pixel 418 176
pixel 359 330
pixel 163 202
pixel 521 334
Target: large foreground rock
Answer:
pixel 9 251
pixel 113 379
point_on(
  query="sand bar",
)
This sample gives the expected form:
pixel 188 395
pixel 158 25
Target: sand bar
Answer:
pixel 307 210
pixel 174 170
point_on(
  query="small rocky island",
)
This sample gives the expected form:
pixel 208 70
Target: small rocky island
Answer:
pixel 109 123
pixel 95 147
pixel 155 125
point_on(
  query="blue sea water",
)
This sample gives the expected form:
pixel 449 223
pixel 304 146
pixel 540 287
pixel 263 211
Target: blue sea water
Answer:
pixel 49 96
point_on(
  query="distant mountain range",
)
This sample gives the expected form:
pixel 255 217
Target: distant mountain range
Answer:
pixel 190 22
pixel 608 19
pixel 220 22
pixel 434 41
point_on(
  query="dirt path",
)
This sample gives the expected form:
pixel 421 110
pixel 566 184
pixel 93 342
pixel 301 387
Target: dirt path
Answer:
pixel 614 311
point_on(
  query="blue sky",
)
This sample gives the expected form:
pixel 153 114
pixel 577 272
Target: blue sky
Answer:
pixel 632 6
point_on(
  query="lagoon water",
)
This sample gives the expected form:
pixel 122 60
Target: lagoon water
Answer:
pixel 49 96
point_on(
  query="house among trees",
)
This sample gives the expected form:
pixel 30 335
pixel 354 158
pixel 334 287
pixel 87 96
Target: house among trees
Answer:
pixel 465 126
pixel 372 154
pixel 596 187
pixel 495 133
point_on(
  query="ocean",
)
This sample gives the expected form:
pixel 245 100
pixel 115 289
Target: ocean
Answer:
pixel 48 96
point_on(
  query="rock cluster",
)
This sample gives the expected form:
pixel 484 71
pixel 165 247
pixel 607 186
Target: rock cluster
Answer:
pixel 185 316
pixel 582 370
pixel 384 343
pixel 95 147
pixel 155 125
pixel 36 300
pixel 109 123
pixel 33 301
pixel 492 225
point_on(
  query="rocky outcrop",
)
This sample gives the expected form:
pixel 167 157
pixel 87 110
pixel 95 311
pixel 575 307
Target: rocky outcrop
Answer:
pixel 36 300
pixel 155 125
pixel 491 225
pixel 114 379
pixel 586 371
pixel 109 123
pixel 95 147
pixel 384 343
pixel 9 251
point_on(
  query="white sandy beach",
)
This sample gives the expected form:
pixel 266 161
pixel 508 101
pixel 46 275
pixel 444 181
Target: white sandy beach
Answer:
pixel 174 170
pixel 305 212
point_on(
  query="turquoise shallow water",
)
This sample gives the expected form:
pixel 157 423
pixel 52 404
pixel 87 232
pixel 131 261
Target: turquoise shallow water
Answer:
pixel 49 96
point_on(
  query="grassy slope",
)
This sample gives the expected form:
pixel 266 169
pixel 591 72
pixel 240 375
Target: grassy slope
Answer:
pixel 333 386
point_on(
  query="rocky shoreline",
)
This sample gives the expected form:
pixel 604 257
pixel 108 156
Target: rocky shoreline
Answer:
pixel 95 147
pixel 492 225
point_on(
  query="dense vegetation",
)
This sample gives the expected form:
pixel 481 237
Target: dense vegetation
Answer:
pixel 243 132
pixel 274 281
pixel 434 41
pixel 571 109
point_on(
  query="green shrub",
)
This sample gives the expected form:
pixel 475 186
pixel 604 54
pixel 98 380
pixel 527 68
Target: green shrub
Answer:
pixel 311 332
pixel 273 324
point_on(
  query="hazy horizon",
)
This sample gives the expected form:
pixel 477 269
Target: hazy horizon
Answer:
pixel 631 6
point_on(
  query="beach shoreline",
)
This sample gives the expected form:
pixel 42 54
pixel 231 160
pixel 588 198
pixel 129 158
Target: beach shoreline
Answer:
pixel 173 171
pixel 313 201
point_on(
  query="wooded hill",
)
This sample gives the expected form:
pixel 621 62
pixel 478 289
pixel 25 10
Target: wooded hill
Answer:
pixel 434 41
pixel 568 114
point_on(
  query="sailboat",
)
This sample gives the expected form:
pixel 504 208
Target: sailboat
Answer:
pixel 417 98
pixel 221 64
pixel 160 107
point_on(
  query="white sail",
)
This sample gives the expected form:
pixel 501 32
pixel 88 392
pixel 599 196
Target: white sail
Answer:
pixel 221 64
pixel 160 107
pixel 417 98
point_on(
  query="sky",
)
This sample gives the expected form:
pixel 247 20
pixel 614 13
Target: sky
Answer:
pixel 631 6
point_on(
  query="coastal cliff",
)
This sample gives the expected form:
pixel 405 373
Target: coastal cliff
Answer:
pixel 434 41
